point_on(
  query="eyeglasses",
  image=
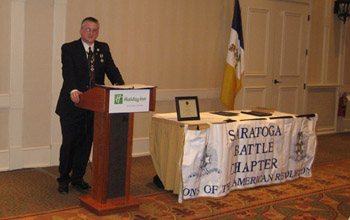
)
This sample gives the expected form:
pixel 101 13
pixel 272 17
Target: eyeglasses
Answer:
pixel 91 30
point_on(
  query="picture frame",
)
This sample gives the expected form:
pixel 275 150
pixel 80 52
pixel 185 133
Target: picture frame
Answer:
pixel 187 108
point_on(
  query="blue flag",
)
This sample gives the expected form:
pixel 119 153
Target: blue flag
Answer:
pixel 235 67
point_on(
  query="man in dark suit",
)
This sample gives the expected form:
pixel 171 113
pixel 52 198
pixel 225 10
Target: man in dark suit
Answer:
pixel 84 64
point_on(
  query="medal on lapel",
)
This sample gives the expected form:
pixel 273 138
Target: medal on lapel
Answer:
pixel 101 55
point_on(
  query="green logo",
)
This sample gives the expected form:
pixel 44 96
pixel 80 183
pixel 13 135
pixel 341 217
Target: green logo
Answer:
pixel 118 99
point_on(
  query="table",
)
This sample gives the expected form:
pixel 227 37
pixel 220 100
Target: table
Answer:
pixel 218 153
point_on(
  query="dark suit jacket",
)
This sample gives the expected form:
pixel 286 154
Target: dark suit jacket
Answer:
pixel 76 74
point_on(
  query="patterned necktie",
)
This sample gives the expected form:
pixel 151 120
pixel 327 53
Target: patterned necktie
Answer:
pixel 91 68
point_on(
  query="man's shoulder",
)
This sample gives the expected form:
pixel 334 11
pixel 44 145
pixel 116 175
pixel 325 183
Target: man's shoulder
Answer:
pixel 102 45
pixel 72 44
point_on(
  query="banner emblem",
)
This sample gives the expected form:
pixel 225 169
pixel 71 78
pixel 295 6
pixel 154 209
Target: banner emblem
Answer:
pixel 208 164
pixel 300 151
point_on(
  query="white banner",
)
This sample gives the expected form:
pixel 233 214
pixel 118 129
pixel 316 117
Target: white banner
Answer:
pixel 244 154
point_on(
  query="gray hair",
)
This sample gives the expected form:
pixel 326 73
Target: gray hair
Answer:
pixel 91 19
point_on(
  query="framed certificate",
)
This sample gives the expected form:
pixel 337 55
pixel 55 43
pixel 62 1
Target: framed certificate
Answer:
pixel 187 108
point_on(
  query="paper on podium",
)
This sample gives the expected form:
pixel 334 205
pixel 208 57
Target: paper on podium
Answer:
pixel 263 110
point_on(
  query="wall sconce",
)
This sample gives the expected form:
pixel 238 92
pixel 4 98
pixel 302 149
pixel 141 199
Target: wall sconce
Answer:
pixel 341 8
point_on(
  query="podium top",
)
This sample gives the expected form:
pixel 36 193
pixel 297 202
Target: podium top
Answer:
pixel 128 86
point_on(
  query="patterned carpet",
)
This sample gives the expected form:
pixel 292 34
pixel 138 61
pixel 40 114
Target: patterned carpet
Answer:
pixel 27 191
pixel 325 195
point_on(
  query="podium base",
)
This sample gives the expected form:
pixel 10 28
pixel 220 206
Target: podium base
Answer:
pixel 111 206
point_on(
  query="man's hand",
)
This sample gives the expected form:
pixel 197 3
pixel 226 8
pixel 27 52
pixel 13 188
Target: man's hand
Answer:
pixel 74 96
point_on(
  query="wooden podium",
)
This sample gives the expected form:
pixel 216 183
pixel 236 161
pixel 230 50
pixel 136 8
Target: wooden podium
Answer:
pixel 112 151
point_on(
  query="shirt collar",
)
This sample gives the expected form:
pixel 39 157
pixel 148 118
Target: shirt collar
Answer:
pixel 86 46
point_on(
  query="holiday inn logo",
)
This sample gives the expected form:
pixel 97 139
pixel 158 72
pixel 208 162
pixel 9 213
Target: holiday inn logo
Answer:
pixel 118 99
pixel 136 100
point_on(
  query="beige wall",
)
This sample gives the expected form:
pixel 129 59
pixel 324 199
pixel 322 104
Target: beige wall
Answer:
pixel 328 69
pixel 325 46
pixel 347 56
pixel 37 73
pixel 4 132
pixel 177 45
pixel 5 12
pixel 316 39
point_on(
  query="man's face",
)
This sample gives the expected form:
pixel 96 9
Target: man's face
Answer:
pixel 89 32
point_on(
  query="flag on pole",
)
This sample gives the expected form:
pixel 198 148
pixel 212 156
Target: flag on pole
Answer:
pixel 234 69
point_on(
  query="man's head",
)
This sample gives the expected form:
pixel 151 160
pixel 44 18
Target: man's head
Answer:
pixel 89 30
